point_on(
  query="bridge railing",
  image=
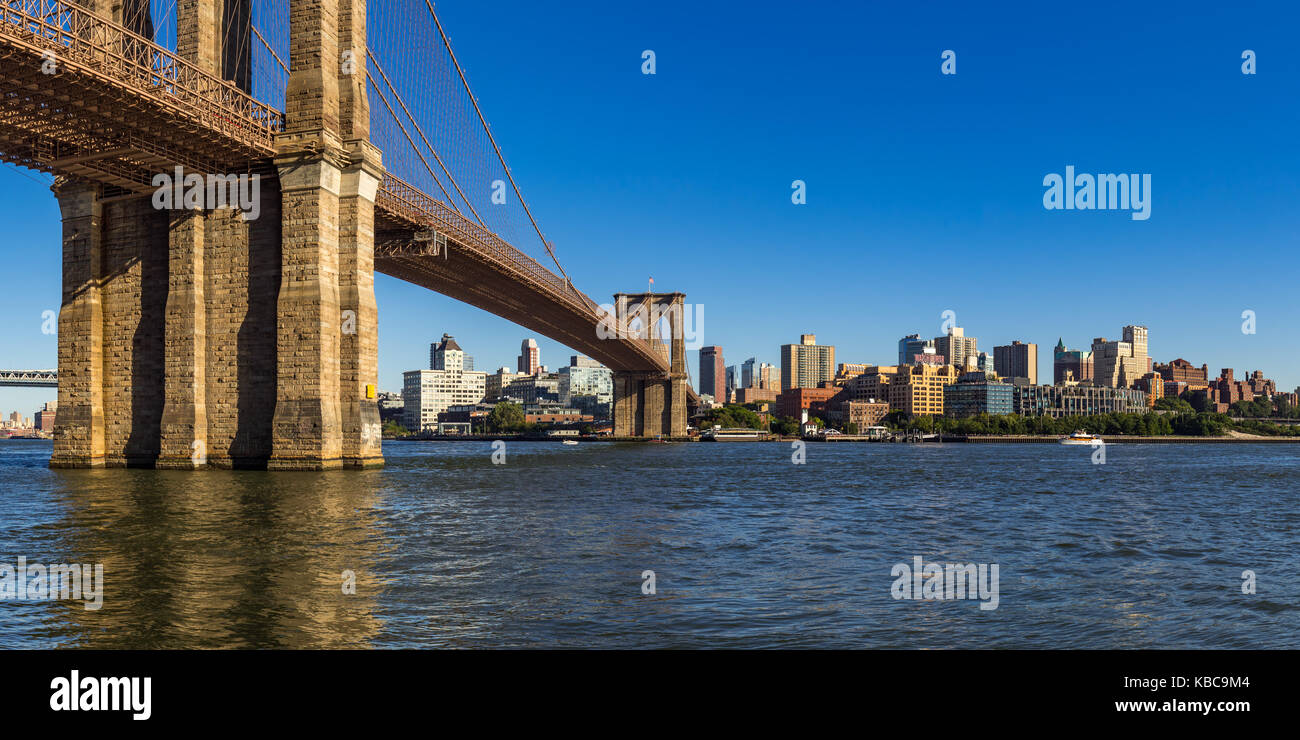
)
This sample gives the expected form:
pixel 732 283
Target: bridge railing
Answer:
pixel 413 204
pixel 77 36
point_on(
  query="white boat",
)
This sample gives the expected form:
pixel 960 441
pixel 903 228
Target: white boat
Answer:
pixel 570 442
pixel 1080 437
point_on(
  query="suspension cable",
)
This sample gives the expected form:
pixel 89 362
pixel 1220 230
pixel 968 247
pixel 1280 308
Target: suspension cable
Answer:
pixel 423 138
pixel 446 42
pixel 415 148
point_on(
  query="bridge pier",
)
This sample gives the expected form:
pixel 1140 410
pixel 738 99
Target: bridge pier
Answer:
pixel 79 429
pixel 650 404
pixel 199 338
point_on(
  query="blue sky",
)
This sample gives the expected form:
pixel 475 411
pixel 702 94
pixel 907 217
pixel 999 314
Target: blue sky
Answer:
pixel 924 191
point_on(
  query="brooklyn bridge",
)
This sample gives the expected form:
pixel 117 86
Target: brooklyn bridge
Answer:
pixel 195 334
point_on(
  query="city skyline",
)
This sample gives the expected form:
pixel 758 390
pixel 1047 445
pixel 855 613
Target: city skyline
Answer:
pixel 680 173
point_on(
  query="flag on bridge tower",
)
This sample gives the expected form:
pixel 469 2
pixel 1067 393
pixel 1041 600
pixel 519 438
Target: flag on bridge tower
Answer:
pixel 652 286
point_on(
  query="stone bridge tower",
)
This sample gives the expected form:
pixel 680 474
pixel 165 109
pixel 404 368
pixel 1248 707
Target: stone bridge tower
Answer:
pixel 649 404
pixel 197 338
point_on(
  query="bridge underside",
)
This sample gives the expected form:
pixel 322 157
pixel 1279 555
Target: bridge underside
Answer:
pixel 194 338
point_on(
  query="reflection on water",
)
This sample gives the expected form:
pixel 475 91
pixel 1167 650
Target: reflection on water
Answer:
pixel 748 550
pixel 217 560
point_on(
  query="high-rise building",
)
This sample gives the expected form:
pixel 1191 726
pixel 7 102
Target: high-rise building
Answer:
pixel 747 377
pixel 446 355
pixel 912 345
pixel 1119 364
pixel 768 378
pixel 1077 363
pixel 957 348
pixel 807 364
pixel 587 385
pixel 731 381
pixel 1017 360
pixel 530 357
pixel 713 377
pixel 918 389
pixel 427 393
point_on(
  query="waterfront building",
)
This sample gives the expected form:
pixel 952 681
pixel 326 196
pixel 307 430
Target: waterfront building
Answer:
pixel 863 414
pixel 427 393
pixel 713 373
pixel 1182 371
pixel 1077 400
pixel 957 348
pixel 1225 391
pixel 757 395
pixel 917 390
pixel 1154 386
pixel 794 401
pixel 1260 385
pixel 1175 388
pixel 1118 364
pixel 986 363
pixel 530 357
pixel 43 421
pixel 532 390
pixel 807 364
pixel 872 384
pixel 390 406
pixel 496 384
pixel 1017 360
pixel 587 385
pixel 1076 362
pixel 978 393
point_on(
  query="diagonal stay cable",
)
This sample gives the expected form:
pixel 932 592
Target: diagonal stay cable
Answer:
pixel 268 48
pixel 410 141
pixel 447 43
pixel 423 138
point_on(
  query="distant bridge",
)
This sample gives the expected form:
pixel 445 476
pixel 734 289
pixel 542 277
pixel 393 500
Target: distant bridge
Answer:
pixel 29 378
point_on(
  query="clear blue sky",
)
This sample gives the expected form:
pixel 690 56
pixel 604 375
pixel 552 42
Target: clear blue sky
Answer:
pixel 924 191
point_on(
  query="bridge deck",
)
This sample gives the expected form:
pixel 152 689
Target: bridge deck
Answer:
pixel 119 109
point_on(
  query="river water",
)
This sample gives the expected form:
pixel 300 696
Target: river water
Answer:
pixel 444 548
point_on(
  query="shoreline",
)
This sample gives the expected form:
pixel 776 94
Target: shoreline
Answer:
pixel 947 439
